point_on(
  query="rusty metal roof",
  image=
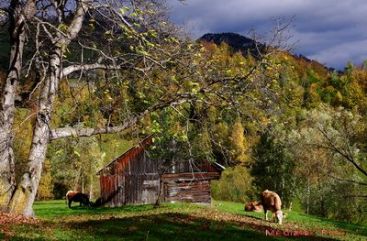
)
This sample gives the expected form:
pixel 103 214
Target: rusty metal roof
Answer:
pixel 133 151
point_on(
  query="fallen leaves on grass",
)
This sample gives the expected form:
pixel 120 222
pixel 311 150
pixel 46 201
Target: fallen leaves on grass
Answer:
pixel 273 229
pixel 7 219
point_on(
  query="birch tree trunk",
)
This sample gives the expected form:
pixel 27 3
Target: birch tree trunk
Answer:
pixel 18 14
pixel 24 196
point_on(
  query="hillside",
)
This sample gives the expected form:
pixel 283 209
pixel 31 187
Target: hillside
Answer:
pixel 245 45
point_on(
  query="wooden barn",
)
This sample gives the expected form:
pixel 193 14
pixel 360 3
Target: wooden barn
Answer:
pixel 135 178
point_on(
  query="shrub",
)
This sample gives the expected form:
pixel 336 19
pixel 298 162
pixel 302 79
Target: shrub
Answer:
pixel 234 185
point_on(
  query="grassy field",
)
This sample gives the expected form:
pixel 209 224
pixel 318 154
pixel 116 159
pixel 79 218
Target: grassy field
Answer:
pixel 221 221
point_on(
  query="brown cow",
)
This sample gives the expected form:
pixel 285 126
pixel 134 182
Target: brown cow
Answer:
pixel 73 196
pixel 271 201
pixel 69 195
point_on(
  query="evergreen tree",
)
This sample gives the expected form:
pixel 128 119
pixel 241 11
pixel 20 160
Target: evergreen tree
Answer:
pixel 273 169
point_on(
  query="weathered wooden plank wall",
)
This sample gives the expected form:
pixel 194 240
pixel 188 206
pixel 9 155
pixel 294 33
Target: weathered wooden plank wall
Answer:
pixel 135 175
pixel 189 187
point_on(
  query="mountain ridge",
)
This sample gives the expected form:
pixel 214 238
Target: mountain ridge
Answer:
pixel 236 41
pixel 245 45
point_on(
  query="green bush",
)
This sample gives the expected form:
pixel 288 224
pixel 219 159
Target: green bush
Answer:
pixel 234 185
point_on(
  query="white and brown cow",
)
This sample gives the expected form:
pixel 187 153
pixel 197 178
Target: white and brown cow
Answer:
pixel 69 195
pixel 73 196
pixel 271 201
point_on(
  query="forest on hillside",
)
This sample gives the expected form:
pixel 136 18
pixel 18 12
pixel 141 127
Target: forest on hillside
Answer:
pixel 84 84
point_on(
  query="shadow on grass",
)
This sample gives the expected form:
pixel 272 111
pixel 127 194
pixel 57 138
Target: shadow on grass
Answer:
pixel 359 229
pixel 167 226
pixel 54 209
pixel 251 215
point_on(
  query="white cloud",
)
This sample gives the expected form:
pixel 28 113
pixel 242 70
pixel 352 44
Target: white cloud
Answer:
pixel 342 53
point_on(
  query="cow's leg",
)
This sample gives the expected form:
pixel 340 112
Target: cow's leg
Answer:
pixel 69 204
pixel 266 214
pixel 279 216
pixel 87 202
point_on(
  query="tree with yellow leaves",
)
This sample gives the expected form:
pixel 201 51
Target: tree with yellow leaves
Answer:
pixel 238 143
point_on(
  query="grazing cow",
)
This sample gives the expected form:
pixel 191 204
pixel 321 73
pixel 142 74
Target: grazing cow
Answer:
pixel 271 201
pixel 253 206
pixel 69 195
pixel 81 198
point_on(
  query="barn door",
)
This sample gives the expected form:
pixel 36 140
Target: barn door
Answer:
pixel 150 189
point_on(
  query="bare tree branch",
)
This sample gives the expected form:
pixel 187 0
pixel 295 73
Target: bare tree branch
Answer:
pixel 346 156
pixel 87 67
pixel 85 132
pixel 348 181
pixel 355 196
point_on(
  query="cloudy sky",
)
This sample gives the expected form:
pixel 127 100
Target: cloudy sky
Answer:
pixel 330 31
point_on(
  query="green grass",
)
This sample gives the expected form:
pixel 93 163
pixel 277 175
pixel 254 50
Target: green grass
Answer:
pixel 221 221
pixel 298 219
